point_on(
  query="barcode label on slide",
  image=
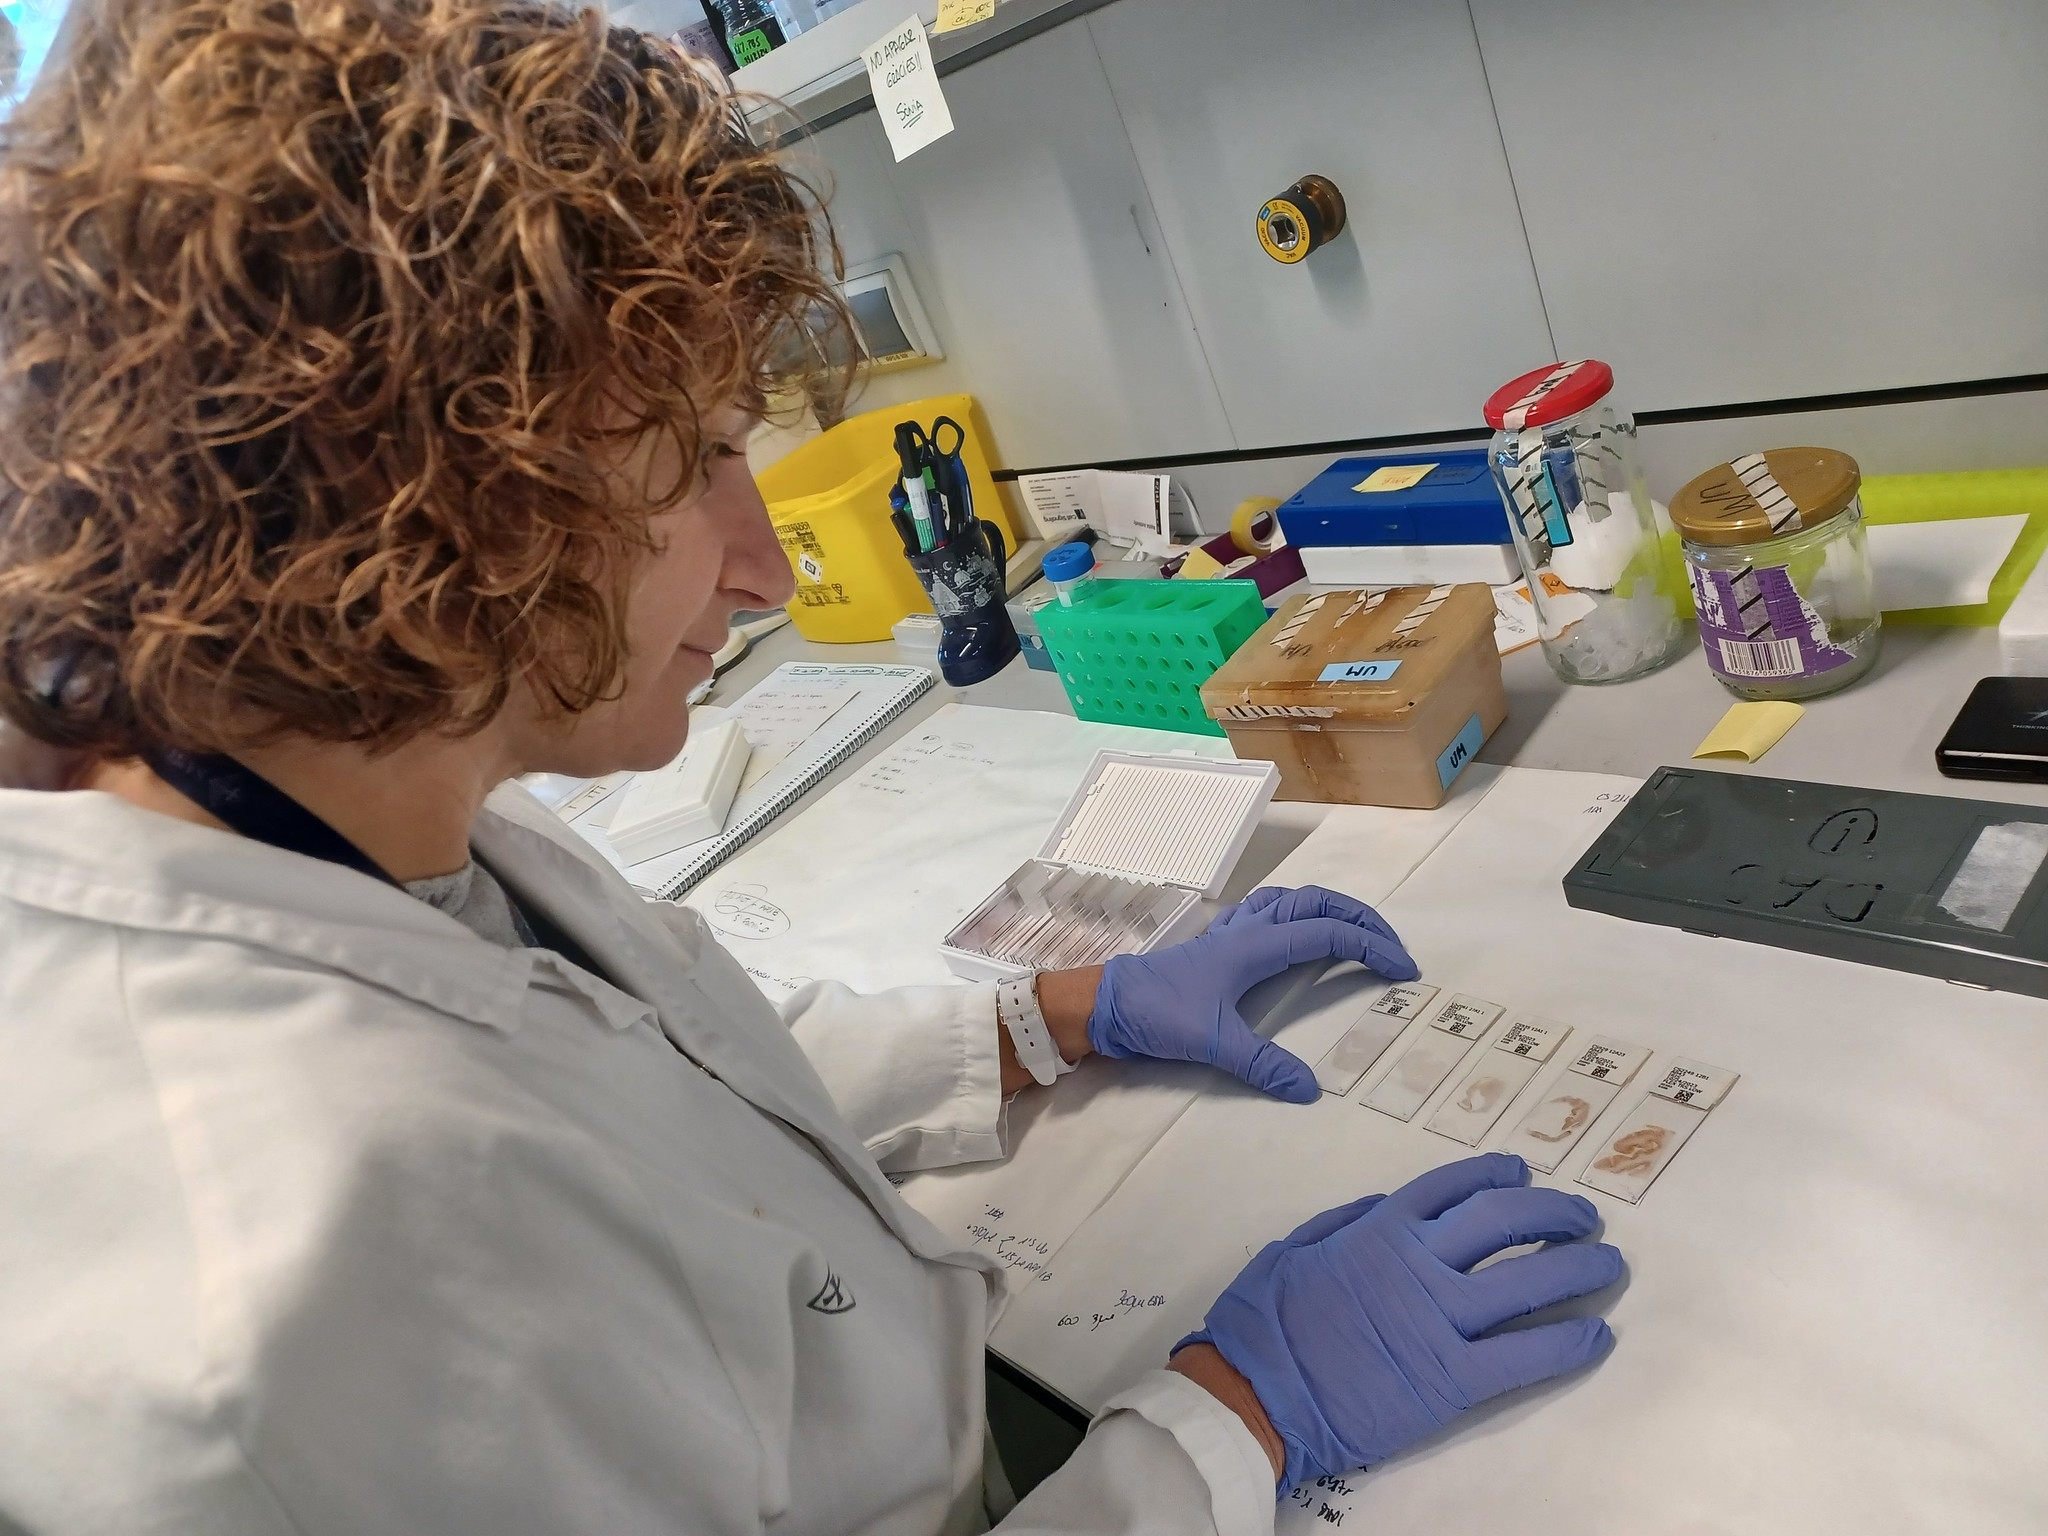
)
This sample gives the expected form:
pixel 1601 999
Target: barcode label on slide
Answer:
pixel 1760 658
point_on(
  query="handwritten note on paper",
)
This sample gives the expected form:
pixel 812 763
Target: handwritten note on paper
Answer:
pixel 906 85
pixel 780 720
pixel 1127 1302
pixel 955 14
pixel 923 763
pixel 1027 1257
pixel 777 989
pixel 745 912
pixel 1326 1501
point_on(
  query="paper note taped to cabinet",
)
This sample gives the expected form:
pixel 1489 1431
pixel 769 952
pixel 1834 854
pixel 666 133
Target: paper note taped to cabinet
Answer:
pixel 906 85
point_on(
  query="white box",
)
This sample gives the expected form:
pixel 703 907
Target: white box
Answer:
pixel 1175 823
pixel 1409 565
pixel 684 803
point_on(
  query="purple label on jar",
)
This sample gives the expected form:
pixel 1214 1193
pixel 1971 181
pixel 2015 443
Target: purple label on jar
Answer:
pixel 1755 627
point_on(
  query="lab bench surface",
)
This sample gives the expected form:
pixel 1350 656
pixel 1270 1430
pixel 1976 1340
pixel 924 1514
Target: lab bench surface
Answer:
pixel 1879 734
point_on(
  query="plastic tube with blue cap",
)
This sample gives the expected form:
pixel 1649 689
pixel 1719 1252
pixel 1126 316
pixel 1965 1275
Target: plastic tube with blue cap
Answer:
pixel 1069 568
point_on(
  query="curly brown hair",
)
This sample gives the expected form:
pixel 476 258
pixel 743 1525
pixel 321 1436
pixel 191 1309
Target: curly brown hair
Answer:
pixel 312 313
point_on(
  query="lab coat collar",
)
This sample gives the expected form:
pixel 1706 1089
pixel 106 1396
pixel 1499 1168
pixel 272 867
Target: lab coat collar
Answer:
pixel 95 857
pixel 732 1034
pixel 547 867
pixel 530 847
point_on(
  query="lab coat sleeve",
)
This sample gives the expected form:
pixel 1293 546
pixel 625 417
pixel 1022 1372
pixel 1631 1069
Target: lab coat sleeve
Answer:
pixel 1164 1459
pixel 915 1071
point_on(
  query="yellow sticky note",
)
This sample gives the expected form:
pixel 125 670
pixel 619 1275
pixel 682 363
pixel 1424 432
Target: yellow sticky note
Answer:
pixel 955 14
pixel 1394 477
pixel 1199 565
pixel 1748 731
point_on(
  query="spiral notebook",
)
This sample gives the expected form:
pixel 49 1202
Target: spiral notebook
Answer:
pixel 803 720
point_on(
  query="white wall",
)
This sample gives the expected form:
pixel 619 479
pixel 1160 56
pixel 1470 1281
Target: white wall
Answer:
pixel 1426 301
pixel 1757 199
pixel 1730 200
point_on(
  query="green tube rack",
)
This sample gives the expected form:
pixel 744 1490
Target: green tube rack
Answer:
pixel 1137 652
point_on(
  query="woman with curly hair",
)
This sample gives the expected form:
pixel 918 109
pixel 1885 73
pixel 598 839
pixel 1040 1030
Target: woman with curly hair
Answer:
pixel 374 382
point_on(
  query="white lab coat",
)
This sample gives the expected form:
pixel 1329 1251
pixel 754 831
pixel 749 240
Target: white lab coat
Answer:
pixel 321 1215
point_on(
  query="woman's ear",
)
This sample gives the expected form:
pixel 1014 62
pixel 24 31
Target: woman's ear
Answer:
pixel 26 763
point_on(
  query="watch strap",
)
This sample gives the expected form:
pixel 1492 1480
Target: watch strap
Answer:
pixel 1018 1011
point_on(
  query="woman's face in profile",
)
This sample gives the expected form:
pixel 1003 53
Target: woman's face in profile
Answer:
pixel 715 554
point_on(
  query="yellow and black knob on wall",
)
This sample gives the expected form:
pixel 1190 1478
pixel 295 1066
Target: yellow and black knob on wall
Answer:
pixel 1304 218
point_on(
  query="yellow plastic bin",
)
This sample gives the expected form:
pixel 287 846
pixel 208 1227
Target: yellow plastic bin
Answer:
pixel 829 500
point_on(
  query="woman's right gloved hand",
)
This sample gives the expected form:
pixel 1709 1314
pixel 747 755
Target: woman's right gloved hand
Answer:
pixel 1365 1331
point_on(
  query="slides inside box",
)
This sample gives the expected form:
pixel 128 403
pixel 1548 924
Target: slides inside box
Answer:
pixel 1145 839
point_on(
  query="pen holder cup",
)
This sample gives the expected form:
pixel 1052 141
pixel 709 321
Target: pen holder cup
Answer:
pixel 965 581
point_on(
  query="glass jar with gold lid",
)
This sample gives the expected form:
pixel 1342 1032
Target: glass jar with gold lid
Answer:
pixel 1780 572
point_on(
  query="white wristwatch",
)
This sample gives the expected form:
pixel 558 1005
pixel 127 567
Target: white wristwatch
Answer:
pixel 1017 1009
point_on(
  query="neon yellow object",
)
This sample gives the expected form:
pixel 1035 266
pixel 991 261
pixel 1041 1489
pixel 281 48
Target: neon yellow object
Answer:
pixel 1944 498
pixel 829 501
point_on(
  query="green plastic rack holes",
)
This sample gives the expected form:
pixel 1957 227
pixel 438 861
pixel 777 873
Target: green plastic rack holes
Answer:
pixel 1138 652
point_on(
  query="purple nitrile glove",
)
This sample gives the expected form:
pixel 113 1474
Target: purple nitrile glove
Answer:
pixel 1368 1329
pixel 1180 1004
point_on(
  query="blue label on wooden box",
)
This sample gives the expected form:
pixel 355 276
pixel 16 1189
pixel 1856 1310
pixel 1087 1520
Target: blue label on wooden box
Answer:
pixel 1359 671
pixel 1463 748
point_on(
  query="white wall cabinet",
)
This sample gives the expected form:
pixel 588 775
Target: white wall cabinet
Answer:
pixel 1427 302
pixel 1730 200
pixel 1029 233
pixel 1757 199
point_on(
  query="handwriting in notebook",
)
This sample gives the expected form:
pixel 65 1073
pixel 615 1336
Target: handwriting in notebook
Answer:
pixel 779 720
pixel 917 761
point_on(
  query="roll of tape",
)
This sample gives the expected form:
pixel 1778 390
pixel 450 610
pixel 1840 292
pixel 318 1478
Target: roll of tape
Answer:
pixel 1244 532
pixel 1304 218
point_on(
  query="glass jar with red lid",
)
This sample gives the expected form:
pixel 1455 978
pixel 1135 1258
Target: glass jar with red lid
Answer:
pixel 1564 461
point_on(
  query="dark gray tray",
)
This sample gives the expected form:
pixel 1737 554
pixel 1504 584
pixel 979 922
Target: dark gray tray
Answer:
pixel 1855 874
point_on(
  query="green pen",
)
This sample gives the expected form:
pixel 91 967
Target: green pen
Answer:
pixel 909 440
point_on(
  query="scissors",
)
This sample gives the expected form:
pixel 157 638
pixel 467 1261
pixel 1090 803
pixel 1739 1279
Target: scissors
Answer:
pixel 951 473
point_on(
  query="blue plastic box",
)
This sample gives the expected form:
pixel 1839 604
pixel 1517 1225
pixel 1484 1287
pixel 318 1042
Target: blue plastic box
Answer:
pixel 1454 502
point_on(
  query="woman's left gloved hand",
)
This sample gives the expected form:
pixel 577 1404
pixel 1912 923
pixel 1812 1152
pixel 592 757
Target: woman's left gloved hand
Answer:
pixel 1180 1004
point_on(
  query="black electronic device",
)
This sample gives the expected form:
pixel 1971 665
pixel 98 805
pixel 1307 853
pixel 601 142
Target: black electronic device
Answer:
pixel 2001 732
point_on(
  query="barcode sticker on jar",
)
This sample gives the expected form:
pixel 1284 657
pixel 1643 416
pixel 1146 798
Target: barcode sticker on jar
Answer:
pixel 1761 658
pixel 1758 627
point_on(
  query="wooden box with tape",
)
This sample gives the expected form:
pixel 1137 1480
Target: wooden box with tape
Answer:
pixel 1366 699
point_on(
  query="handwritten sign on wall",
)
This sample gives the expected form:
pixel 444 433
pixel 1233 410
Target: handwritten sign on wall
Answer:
pixel 906 86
